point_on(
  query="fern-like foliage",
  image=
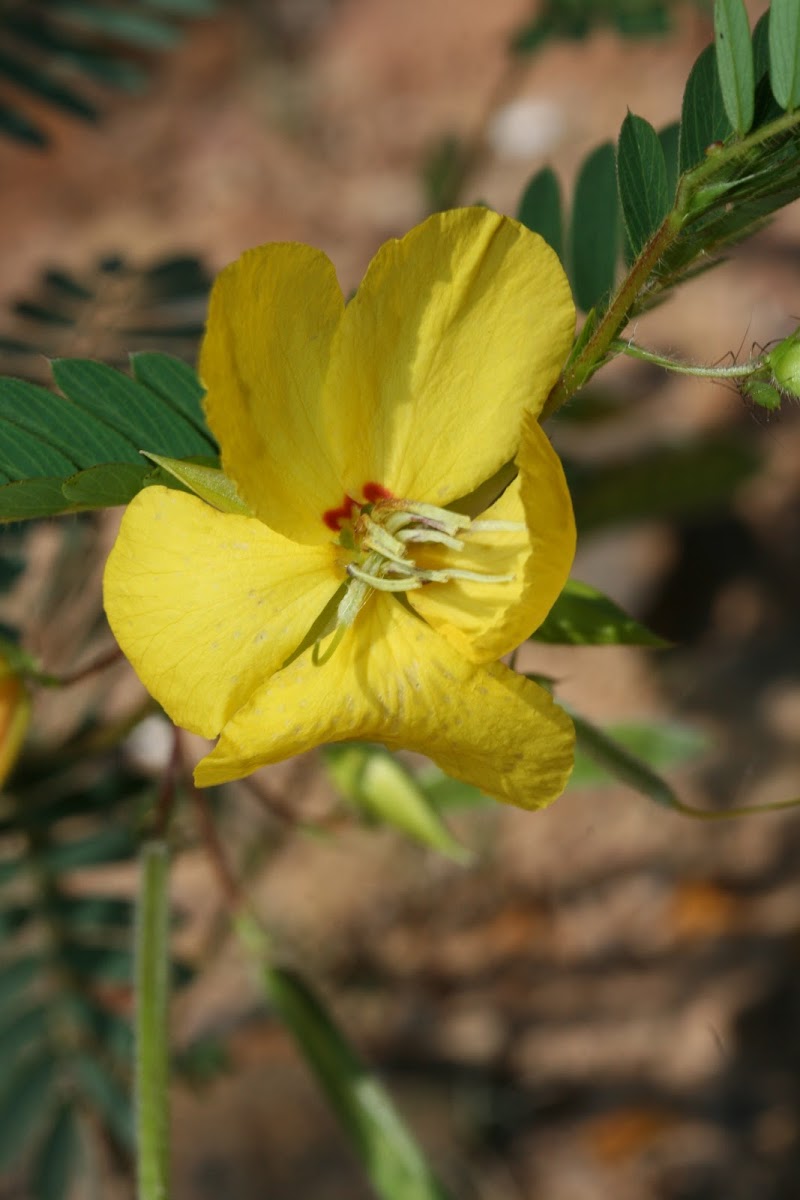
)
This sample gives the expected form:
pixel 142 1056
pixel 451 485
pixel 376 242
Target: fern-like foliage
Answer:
pixel 575 19
pixel 106 312
pixel 65 966
pixel 82 449
pixel 451 161
pixel 62 53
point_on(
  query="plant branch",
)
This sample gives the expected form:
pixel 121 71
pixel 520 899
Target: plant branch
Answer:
pixel 234 899
pixel 152 1040
pixel 697 191
pixel 107 659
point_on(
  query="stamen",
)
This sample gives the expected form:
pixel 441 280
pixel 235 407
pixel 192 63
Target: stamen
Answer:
pixel 380 539
pixel 439 518
pixel 479 577
pixel 318 659
pixel 385 585
pixel 430 535
pixel 456 573
pixel 351 603
pixel 497 526
pixel 398 520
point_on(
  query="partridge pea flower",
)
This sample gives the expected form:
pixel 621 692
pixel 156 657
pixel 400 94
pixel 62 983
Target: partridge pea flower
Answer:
pixel 350 586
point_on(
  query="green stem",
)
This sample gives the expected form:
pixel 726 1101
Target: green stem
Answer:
pixel 152 1042
pixel 737 370
pixel 600 342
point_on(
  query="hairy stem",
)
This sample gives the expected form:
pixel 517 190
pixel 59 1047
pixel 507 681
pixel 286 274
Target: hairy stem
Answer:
pixel 736 370
pixel 152 1040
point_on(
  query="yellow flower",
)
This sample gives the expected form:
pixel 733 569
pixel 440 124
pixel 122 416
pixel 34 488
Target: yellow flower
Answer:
pixel 15 714
pixel 347 598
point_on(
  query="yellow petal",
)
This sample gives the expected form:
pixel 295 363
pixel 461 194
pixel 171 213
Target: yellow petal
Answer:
pixel 486 620
pixel 15 715
pixel 456 329
pixel 263 360
pixel 206 605
pixel 393 680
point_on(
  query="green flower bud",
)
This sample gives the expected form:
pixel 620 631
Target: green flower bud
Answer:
pixel 765 395
pixel 784 362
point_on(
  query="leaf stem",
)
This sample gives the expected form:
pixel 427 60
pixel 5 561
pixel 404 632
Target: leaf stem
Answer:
pixel 151 1025
pixel 736 370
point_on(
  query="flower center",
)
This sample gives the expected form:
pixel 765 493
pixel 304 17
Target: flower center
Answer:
pixel 380 534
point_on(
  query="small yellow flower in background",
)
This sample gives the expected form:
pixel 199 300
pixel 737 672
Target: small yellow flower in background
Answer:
pixel 348 594
pixel 15 715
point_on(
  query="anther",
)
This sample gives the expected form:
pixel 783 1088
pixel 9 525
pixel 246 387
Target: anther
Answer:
pixel 381 540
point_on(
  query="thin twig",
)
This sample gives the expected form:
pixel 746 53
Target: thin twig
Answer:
pixel 107 659
pixel 228 883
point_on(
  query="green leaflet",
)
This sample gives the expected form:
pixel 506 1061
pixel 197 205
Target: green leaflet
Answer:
pixel 784 52
pixel 620 753
pixel 583 616
pixel 176 383
pixel 704 120
pixel 669 137
pixel 57 1158
pixel 642 178
pixel 209 483
pixel 734 52
pixel 27 1094
pixel 540 208
pixel 144 417
pixel 391 1158
pixel 105 486
pixel 594 228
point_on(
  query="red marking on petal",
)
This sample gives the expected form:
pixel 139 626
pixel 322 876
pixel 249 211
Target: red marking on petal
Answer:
pixel 333 517
pixel 375 491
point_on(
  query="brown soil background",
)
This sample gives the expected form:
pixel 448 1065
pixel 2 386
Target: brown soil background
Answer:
pixel 605 1006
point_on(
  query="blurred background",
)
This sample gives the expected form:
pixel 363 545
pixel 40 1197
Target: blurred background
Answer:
pixel 605 1003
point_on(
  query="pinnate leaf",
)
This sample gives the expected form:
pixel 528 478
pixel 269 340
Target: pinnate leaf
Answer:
pixel 81 449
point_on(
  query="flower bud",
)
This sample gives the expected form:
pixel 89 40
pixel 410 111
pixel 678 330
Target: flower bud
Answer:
pixel 759 392
pixel 784 362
